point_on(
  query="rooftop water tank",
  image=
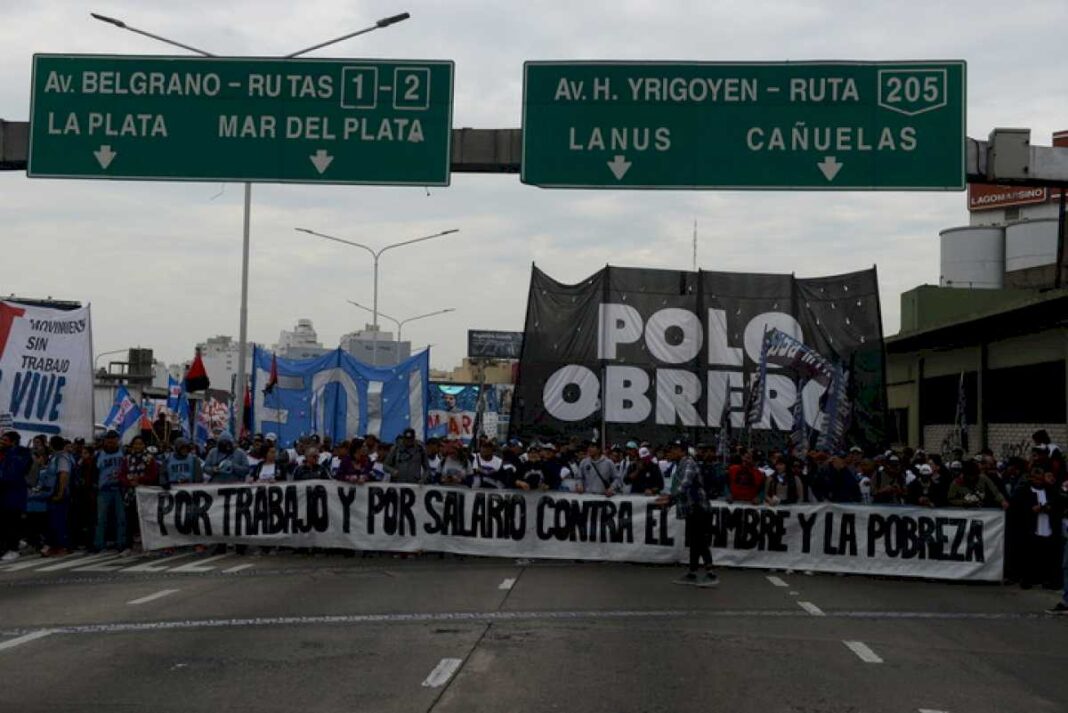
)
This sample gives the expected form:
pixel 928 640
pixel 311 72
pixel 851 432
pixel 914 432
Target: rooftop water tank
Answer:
pixel 1030 243
pixel 973 257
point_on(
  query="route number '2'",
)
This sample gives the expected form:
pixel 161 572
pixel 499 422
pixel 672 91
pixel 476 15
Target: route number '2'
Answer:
pixel 912 91
pixel 411 81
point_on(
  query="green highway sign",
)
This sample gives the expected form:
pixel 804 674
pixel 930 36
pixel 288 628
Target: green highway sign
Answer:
pixel 382 122
pixel 750 125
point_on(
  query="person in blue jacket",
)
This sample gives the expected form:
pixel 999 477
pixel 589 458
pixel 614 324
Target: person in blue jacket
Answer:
pixel 182 467
pixel 109 493
pixel 15 461
pixel 54 483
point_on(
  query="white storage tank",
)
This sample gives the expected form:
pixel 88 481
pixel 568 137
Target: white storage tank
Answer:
pixel 1030 243
pixel 973 257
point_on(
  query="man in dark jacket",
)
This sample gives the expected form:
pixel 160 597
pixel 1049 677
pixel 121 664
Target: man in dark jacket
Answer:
pixel 1035 517
pixel 407 461
pixel 15 462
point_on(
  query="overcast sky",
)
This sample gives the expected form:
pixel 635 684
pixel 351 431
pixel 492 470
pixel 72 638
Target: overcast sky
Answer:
pixel 160 262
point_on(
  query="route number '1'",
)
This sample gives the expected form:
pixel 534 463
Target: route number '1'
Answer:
pixel 912 91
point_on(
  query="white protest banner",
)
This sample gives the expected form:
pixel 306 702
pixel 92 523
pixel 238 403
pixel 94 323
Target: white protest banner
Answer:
pixel 46 370
pixel 912 542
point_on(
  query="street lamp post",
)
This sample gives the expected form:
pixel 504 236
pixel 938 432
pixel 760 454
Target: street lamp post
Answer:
pixel 375 255
pixel 242 351
pixel 96 359
pixel 401 322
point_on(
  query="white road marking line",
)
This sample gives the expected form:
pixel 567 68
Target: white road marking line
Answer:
pixel 777 581
pixel 198 566
pixel 152 597
pixel 161 565
pixel 811 608
pixel 25 638
pixel 35 562
pixel 930 710
pixel 507 583
pixel 238 568
pixel 494 616
pixel 78 562
pixel 794 594
pixel 442 673
pixel 111 564
pixel 863 651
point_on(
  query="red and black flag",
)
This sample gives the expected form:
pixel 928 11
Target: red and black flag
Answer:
pixel 247 412
pixel 272 380
pixel 196 379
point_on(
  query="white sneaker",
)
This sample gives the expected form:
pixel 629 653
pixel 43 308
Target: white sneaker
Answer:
pixel 10 556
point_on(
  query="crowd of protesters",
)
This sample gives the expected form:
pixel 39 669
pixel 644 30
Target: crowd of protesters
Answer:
pixel 57 495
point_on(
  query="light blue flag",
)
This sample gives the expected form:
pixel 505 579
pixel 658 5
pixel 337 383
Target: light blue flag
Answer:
pixel 338 396
pixel 125 414
pixel 182 409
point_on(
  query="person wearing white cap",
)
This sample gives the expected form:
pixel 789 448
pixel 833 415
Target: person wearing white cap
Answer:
pixel 645 477
pixel 924 490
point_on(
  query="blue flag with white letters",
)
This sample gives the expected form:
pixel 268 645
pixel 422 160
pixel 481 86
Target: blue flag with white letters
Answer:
pixel 174 393
pixel 337 395
pixel 125 414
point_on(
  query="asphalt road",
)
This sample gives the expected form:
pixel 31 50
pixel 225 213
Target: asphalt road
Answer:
pixel 327 633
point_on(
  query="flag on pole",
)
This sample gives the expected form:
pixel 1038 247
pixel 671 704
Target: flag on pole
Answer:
pixel 182 409
pixel 961 419
pixel 723 449
pixel 272 380
pixel 174 392
pixel 125 414
pixel 799 434
pixel 754 405
pixel 196 379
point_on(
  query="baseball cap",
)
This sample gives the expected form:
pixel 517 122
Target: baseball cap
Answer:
pixel 632 445
pixel 112 433
pixel 271 437
pixel 645 453
pixel 924 469
pixel 408 433
pixel 680 443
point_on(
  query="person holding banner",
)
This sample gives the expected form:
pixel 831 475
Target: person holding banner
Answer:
pixel 226 463
pixel 182 467
pixel 138 468
pixel 691 504
pixel 597 474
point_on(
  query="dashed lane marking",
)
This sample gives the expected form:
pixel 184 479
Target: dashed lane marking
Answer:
pixel 777 581
pixel 442 673
pixel 153 597
pixel 507 584
pixel 811 608
pixel 863 651
pixel 238 568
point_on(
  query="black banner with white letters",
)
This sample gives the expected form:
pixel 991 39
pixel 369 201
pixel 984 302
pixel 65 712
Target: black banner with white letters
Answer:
pixel 665 349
